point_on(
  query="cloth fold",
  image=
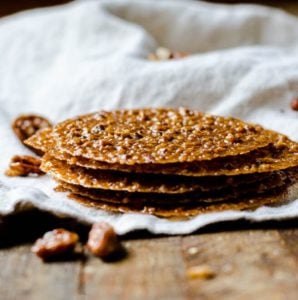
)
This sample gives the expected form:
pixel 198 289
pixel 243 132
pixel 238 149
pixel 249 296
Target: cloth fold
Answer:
pixel 91 55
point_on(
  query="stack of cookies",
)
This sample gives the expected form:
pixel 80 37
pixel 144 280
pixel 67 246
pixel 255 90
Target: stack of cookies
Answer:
pixel 167 162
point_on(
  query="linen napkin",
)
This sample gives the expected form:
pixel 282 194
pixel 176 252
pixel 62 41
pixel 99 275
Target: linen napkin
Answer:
pixel 91 55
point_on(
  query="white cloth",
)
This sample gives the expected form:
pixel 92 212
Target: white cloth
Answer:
pixel 91 55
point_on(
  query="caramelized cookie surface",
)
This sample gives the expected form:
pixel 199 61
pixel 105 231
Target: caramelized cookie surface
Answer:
pixel 274 197
pixel 157 136
pixel 146 183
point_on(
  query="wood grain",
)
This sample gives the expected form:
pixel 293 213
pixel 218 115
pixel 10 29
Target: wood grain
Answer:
pixel 248 264
pixel 23 276
pixel 253 264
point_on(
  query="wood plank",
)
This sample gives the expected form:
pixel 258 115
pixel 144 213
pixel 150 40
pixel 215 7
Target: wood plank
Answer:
pixel 24 276
pixel 248 264
pixel 154 269
pixel 290 240
pixel 10 7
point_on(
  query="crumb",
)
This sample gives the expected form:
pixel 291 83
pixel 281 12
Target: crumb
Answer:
pixel 200 272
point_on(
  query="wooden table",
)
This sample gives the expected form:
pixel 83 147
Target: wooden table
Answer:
pixel 251 261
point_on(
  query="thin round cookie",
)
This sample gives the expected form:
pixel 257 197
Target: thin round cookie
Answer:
pixel 41 141
pixel 275 197
pixel 282 154
pixel 146 183
pixel 157 136
pixel 195 198
pixel 267 159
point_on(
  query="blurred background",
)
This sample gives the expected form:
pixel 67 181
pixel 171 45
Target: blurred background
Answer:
pixel 12 6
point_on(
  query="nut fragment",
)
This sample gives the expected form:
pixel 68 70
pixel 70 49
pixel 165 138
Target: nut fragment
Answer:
pixel 200 272
pixel 54 243
pixel 294 104
pixel 178 55
pixel 24 165
pixel 163 53
pixel 27 125
pixel 102 240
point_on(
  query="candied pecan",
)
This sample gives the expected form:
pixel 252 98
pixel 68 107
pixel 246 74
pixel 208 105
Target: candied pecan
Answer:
pixel 54 243
pixel 294 104
pixel 24 165
pixel 27 125
pixel 102 240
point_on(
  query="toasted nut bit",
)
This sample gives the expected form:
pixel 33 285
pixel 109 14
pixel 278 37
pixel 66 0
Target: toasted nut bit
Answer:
pixel 102 240
pixel 294 104
pixel 162 53
pixel 55 242
pixel 27 125
pixel 178 55
pixel 152 57
pixel 24 165
pixel 200 272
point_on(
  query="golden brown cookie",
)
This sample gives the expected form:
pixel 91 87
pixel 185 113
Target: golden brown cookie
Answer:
pixel 273 197
pixel 282 154
pixel 41 141
pixel 272 160
pixel 146 183
pixel 168 162
pixel 225 194
pixel 157 136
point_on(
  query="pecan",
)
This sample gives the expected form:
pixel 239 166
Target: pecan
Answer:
pixel 24 165
pixel 54 243
pixel 178 55
pixel 102 240
pixel 162 53
pixel 27 125
pixel 294 104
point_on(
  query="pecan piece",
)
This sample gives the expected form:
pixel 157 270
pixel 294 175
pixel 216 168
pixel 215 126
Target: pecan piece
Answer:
pixel 200 272
pixel 54 243
pixel 162 53
pixel 24 165
pixel 27 125
pixel 102 240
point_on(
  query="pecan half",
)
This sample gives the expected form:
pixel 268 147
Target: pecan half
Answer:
pixel 102 240
pixel 24 165
pixel 27 125
pixel 54 243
